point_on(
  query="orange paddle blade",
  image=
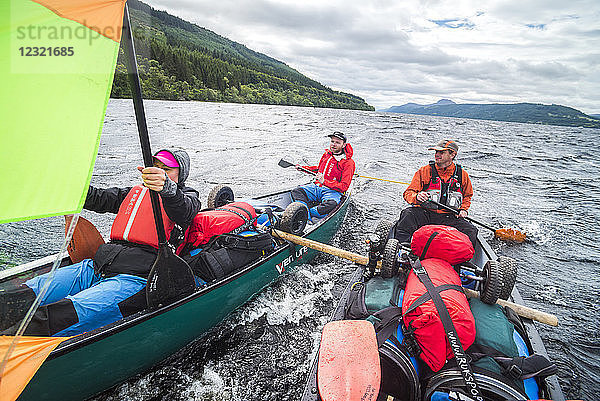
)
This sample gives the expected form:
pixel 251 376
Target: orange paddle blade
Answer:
pixel 85 241
pixel 23 362
pixel 510 234
pixel 348 368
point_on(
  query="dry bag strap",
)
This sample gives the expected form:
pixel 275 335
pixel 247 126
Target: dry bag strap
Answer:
pixel 246 220
pixel 426 297
pixel 426 247
pixel 464 367
pixel 519 367
pixel 241 208
pixel 258 242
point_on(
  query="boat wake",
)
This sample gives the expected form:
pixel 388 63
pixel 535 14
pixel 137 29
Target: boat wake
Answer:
pixel 289 304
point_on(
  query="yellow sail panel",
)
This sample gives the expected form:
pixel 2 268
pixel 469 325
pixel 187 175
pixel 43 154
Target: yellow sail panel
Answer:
pixel 24 361
pixel 57 75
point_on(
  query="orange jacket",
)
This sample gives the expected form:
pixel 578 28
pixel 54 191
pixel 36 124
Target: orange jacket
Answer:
pixel 423 176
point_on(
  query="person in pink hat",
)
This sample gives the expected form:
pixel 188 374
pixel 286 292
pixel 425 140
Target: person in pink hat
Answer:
pixel 112 284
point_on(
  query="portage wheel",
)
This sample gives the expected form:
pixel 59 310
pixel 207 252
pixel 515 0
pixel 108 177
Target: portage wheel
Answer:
pixel 220 196
pixel 492 389
pixel 294 218
pixel 382 231
pixel 508 269
pixel 389 265
pixel 492 284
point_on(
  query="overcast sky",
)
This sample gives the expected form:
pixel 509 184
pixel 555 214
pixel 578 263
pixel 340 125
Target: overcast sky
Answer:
pixel 392 52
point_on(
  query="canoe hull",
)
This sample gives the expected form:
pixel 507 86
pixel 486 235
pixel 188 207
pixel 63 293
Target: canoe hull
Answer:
pixel 96 361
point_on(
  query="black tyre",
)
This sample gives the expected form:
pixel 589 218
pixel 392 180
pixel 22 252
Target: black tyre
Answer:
pixel 220 196
pixel 492 284
pixel 389 263
pixel 382 231
pixel 399 378
pixel 493 389
pixel 294 218
pixel 508 269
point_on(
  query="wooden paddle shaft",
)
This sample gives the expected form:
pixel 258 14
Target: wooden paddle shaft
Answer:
pixel 521 310
pixel 319 246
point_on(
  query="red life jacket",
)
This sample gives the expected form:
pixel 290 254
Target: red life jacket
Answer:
pixel 135 219
pixel 449 244
pixel 208 223
pixel 424 319
pixel 448 193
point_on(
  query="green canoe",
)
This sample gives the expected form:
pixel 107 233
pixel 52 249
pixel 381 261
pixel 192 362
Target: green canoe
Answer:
pixel 88 364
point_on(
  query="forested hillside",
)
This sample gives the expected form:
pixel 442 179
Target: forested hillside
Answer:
pixel 182 61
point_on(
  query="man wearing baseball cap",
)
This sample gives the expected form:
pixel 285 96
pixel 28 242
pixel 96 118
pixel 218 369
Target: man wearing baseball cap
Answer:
pixel 111 284
pixel 333 177
pixel 445 182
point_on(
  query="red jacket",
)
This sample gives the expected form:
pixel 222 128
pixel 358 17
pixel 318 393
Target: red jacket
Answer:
pixel 338 174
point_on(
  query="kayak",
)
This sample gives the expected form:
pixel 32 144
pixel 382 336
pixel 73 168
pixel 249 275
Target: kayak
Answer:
pixel 403 374
pixel 87 364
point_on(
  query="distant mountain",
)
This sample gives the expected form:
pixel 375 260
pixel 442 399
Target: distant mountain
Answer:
pixel 408 108
pixel 179 60
pixel 517 112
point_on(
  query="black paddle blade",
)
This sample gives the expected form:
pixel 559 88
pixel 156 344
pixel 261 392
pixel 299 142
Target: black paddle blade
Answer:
pixel 170 279
pixel 285 164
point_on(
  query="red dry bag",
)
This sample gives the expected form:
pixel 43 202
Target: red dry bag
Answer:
pixel 208 223
pixel 424 320
pixel 449 244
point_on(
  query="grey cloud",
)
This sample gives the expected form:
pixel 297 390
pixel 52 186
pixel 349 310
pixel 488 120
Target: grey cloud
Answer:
pixel 548 70
pixel 356 48
pixel 378 48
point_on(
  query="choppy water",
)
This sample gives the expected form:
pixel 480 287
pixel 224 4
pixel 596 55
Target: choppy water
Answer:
pixel 539 179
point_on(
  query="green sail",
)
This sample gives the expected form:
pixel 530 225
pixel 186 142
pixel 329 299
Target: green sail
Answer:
pixel 52 105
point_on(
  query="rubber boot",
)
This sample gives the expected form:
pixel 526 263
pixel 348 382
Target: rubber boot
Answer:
pixel 323 209
pixel 14 305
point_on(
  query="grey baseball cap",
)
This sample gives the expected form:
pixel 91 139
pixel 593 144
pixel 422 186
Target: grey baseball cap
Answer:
pixel 445 144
